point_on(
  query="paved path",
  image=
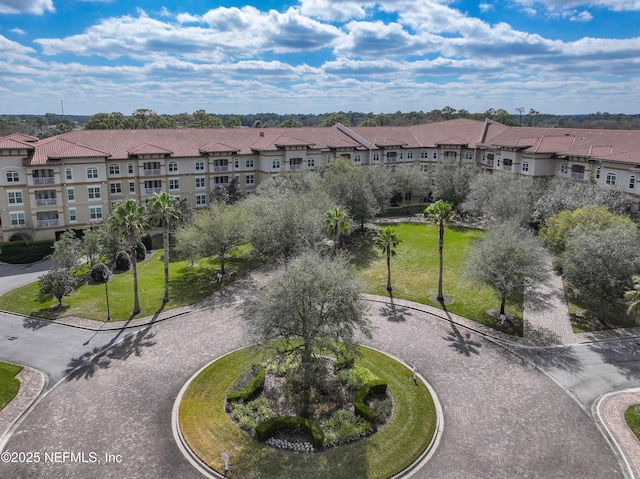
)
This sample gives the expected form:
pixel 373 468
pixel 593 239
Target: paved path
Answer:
pixel 546 316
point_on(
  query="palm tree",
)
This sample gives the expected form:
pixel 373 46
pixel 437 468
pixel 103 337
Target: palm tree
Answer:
pixel 634 295
pixel 439 212
pixel 386 241
pixel 337 224
pixel 163 210
pixel 131 219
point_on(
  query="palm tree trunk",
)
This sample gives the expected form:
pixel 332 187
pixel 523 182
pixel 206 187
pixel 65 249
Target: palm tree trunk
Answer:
pixel 440 248
pixel 165 245
pixel 388 268
pixel 134 265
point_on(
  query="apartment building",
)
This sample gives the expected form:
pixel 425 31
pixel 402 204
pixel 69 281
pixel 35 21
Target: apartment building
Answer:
pixel 74 179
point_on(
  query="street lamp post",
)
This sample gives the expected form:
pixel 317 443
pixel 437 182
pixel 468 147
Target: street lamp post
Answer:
pixel 105 275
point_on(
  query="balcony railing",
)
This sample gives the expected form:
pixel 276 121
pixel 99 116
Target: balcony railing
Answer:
pixel 577 176
pixel 151 191
pixel 507 167
pixel 151 171
pixel 46 180
pixel 223 184
pixel 46 201
pixel 221 168
pixel 295 167
pixel 47 223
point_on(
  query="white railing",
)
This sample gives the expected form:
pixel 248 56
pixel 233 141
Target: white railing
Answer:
pixel 507 167
pixel 151 171
pixel 221 168
pixel 47 180
pixel 295 167
pixel 46 201
pixel 151 191
pixel 46 223
pixel 577 176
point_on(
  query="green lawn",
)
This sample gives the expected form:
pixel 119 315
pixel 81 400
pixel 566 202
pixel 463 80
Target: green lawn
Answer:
pixel 632 416
pixel 9 385
pixel 209 431
pixel 414 272
pixel 187 285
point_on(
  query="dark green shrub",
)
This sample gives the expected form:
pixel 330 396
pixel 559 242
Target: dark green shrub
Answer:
pixel 147 242
pixel 345 362
pixel 141 251
pixel 267 428
pixel 362 410
pixel 253 389
pixel 20 252
pixel 123 261
pixel 98 272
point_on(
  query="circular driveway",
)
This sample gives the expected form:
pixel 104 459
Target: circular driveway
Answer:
pixel 502 417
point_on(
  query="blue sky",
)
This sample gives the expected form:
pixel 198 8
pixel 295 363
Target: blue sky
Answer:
pixel 315 56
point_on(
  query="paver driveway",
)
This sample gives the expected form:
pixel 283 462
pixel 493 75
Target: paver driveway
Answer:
pixel 502 417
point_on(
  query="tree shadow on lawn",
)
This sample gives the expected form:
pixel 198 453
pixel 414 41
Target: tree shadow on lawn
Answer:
pixel 360 246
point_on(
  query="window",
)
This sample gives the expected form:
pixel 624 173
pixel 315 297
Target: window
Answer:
pixel 311 162
pixel 200 182
pixel 173 167
pixel 15 197
pixel 409 155
pixel 130 168
pixel 17 219
pixel 611 178
pixel 598 173
pixel 525 166
pixel 68 174
pixel 199 165
pixel 564 168
pixel 376 157
pixel 92 173
pixel 248 163
pixel 72 215
pixel 114 169
pixel 468 155
pixel 250 179
pixel 424 167
pixel 328 158
pixel 201 200
pixel 236 163
pixel 13 177
pixel 435 155
pixel 357 158
pixel 174 184
pixel 71 194
pixel 95 213
pixel 132 187
pixel 115 188
pixel 632 182
pixel 93 192
pixel 221 180
pixel 275 164
pixel 424 154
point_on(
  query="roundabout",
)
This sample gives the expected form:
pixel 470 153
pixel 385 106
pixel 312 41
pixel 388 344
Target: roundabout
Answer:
pixel 401 445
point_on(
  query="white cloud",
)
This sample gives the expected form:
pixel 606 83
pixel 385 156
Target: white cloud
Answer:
pixel 486 7
pixel 18 31
pixel 559 5
pixel 583 16
pixel 37 7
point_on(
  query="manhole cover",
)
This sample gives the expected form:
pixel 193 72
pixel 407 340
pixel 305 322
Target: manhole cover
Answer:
pixel 12 338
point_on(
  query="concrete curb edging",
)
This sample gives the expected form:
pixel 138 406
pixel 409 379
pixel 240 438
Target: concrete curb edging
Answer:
pixel 210 473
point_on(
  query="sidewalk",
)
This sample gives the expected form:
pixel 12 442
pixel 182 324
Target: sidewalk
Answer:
pixel 546 319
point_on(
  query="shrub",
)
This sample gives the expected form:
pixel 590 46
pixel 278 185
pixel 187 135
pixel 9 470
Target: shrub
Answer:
pixel 252 390
pixel 250 414
pixel 362 410
pixel 21 252
pixel 343 426
pixel 123 261
pixel 345 362
pixel 98 273
pixel 356 377
pixel 56 283
pixel 265 429
pixel 141 251
pixel 147 242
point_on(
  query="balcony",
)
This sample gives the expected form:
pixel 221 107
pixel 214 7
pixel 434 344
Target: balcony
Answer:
pixel 151 171
pixel 46 201
pixel 47 223
pixel 46 180
pixel 295 167
pixel 151 191
pixel 221 168
pixel 577 176
pixel 507 167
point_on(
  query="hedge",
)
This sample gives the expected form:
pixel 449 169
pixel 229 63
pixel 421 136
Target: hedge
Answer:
pixel 362 410
pixel 265 429
pixel 345 362
pixel 253 389
pixel 19 252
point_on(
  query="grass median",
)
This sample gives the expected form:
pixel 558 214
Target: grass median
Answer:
pixel 9 385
